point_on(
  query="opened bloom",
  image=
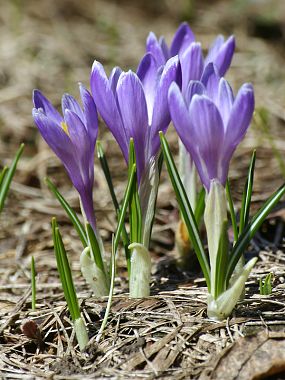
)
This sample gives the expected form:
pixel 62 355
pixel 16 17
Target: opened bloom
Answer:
pixel 72 137
pixel 134 105
pixel 190 53
pixel 211 122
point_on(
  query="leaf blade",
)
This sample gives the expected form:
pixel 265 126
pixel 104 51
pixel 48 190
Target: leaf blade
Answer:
pixel 186 209
pixel 70 212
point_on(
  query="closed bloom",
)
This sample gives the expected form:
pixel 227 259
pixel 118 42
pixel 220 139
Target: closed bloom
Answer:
pixel 72 137
pixel 134 105
pixel 190 53
pixel 211 122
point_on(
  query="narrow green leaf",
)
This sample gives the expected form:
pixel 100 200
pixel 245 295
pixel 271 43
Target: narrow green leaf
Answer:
pixel 60 269
pixel 70 212
pixel 251 229
pixel 2 174
pixel 65 273
pixel 186 210
pixel 95 248
pixel 222 262
pixel 33 282
pixel 232 211
pixel 200 206
pixel 68 276
pixel 126 200
pixel 7 177
pixel 265 286
pixel 246 197
pixel 106 171
pixel 159 165
pixel 135 209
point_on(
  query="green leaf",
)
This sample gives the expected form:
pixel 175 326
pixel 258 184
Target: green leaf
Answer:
pixel 6 177
pixel 126 200
pixel 222 261
pixel 265 286
pixel 186 210
pixel 2 174
pixel 246 197
pixel 106 171
pixel 65 272
pixel 95 247
pixel 232 211
pixel 251 229
pixel 200 206
pixel 70 212
pixel 135 208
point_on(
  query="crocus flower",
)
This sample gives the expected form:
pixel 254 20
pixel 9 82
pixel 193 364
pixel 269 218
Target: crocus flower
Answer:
pixel 72 137
pixel 190 53
pixel 134 105
pixel 211 122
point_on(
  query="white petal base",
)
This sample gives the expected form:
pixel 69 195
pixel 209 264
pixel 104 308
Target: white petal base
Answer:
pixel 140 271
pixel 94 276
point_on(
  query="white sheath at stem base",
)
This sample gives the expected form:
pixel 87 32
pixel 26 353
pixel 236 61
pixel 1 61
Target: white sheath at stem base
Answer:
pixel 140 271
pixel 221 307
pixel 81 333
pixel 94 276
pixel 215 217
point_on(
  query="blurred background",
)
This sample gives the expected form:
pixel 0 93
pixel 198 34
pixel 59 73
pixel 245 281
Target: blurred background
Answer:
pixel 51 45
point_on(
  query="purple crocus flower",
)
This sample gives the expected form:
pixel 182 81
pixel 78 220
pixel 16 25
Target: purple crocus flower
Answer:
pixel 190 53
pixel 72 138
pixel 211 122
pixel 134 105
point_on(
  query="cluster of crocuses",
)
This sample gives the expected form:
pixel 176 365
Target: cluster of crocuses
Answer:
pixel 178 84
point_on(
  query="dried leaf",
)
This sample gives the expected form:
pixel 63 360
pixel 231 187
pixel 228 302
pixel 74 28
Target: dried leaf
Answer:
pixel 250 358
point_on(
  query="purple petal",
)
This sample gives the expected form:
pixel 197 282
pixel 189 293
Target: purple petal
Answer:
pixel 90 111
pixel 53 134
pixel 161 116
pixel 241 115
pixel 182 39
pixel 68 102
pixel 40 101
pixel 107 106
pixel 225 100
pixel 164 48
pixel 238 123
pixel 154 47
pixel 83 152
pixel 194 87
pixel 214 49
pixel 208 138
pixel 87 204
pixel 77 134
pixel 192 64
pixel 61 144
pixel 133 109
pixel 114 77
pixel 211 80
pixel 221 54
pixel 179 115
pixel 148 75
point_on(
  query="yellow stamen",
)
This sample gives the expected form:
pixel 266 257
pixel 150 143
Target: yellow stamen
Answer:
pixel 64 127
